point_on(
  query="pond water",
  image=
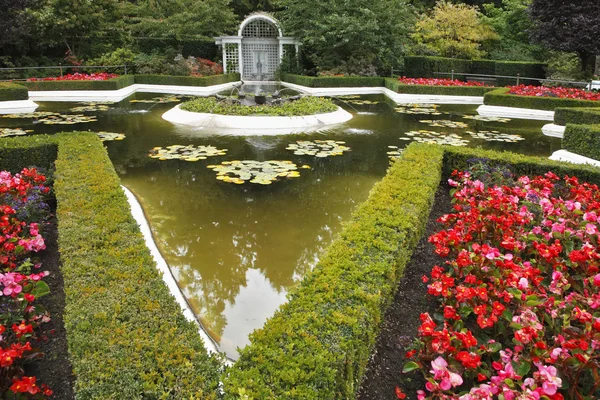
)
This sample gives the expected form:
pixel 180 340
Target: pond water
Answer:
pixel 237 250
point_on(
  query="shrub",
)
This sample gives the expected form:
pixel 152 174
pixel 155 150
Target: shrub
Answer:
pixel 110 84
pixel 563 116
pixel 334 81
pixel 500 97
pixel 523 68
pixel 303 106
pixel 426 67
pixel 318 344
pixel 11 91
pixel 126 334
pixel 186 80
pixel 397 86
pixel 583 140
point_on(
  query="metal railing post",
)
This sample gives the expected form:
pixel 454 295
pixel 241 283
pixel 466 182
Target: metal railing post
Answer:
pixel 125 69
pixel 518 78
pixel 452 75
pixel 61 72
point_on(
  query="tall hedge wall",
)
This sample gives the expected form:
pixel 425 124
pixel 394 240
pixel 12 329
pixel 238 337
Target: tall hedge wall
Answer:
pixel 564 116
pixel 109 84
pixel 334 81
pixel 187 80
pixel 11 91
pixel 127 336
pixel 500 97
pixel 583 140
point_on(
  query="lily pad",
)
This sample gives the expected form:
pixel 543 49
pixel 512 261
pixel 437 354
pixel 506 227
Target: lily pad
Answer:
pixel 91 107
pixel 394 152
pixel 431 137
pixel 418 109
pixel 162 99
pixel 37 114
pixel 485 118
pixel 4 132
pixel 444 123
pixel 495 136
pixel 258 172
pixel 110 136
pixel 318 148
pixel 362 102
pixel 186 153
pixel 64 119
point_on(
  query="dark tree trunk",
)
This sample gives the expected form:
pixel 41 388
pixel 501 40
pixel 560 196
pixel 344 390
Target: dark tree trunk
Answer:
pixel 588 63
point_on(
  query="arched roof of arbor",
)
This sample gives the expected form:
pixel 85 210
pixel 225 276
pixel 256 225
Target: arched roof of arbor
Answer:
pixel 259 17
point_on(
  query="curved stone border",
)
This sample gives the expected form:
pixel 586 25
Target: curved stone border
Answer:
pixel 565 155
pixel 517 113
pixel 265 125
pixel 17 106
pixel 553 130
pixel 138 214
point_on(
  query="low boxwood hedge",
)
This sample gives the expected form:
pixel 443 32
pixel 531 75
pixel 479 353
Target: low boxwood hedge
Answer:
pixel 398 87
pixel 127 336
pixel 186 80
pixel 500 97
pixel 308 105
pixel 334 81
pixel 583 140
pixel 318 344
pixel 427 67
pixel 564 116
pixel 11 91
pixel 109 84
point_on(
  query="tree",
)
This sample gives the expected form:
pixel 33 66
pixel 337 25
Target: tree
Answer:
pixel 570 26
pixel 349 36
pixel 13 16
pixel 455 31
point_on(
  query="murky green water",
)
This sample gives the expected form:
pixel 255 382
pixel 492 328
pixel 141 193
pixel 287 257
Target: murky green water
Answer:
pixel 237 250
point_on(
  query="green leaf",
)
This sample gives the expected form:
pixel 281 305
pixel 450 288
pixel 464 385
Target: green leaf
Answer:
pixel 40 289
pixel 410 366
pixel 523 369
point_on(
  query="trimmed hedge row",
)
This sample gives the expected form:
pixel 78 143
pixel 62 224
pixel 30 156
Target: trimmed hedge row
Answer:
pixel 564 116
pixel 426 67
pixel 186 80
pixel 583 140
pixel 109 84
pixel 334 81
pixel 399 87
pixel 317 345
pixel 127 336
pixel 500 97
pixel 11 91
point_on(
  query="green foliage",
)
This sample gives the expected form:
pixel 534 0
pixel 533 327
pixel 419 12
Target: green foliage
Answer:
pixel 109 84
pixel 454 30
pixel 564 116
pixel 317 345
pixel 186 80
pixel 583 139
pixel 523 68
pixel 398 87
pixel 356 37
pixel 334 81
pixel 308 105
pixel 120 56
pixel 12 91
pixel 127 336
pixel 426 67
pixel 500 97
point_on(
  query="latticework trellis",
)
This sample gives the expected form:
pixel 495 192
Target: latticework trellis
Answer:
pixel 260 28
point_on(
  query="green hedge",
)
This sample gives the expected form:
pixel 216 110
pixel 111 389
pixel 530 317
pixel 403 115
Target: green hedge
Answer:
pixel 500 97
pixel 127 336
pixel 307 105
pixel 186 80
pixel 426 67
pixel 583 140
pixel 317 345
pixel 564 116
pixel 397 86
pixel 11 91
pixel 334 81
pixel 109 84
pixel 523 68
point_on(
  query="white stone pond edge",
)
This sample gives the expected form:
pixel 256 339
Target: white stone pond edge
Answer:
pixel 565 155
pixel 553 130
pixel 17 106
pixel 267 125
pixel 516 113
pixel 161 264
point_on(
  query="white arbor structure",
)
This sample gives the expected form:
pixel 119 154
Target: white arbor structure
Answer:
pixel 258 48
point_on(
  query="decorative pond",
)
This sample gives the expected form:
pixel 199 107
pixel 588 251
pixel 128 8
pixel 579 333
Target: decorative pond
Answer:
pixel 241 234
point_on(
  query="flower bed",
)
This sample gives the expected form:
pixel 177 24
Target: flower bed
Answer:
pixel 23 213
pixel 304 106
pixel 520 294
pixel 437 82
pixel 100 76
pixel 556 92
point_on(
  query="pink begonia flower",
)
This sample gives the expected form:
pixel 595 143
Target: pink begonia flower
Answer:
pixel 591 229
pixel 597 280
pixel 590 216
pixel 452 183
pixel 523 283
pixel 441 373
pixel 492 253
pixel 551 381
pixel 478 185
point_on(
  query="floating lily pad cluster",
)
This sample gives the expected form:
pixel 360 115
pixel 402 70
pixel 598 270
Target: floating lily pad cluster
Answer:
pixel 418 109
pixel 259 172
pixel 91 107
pixel 162 99
pixel 485 118
pixel 110 136
pixel 432 137
pixel 186 153
pixel 362 102
pixel 394 153
pixel 348 97
pixel 495 136
pixel 64 119
pixel 445 123
pixel 4 132
pixel 37 114
pixel 318 148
